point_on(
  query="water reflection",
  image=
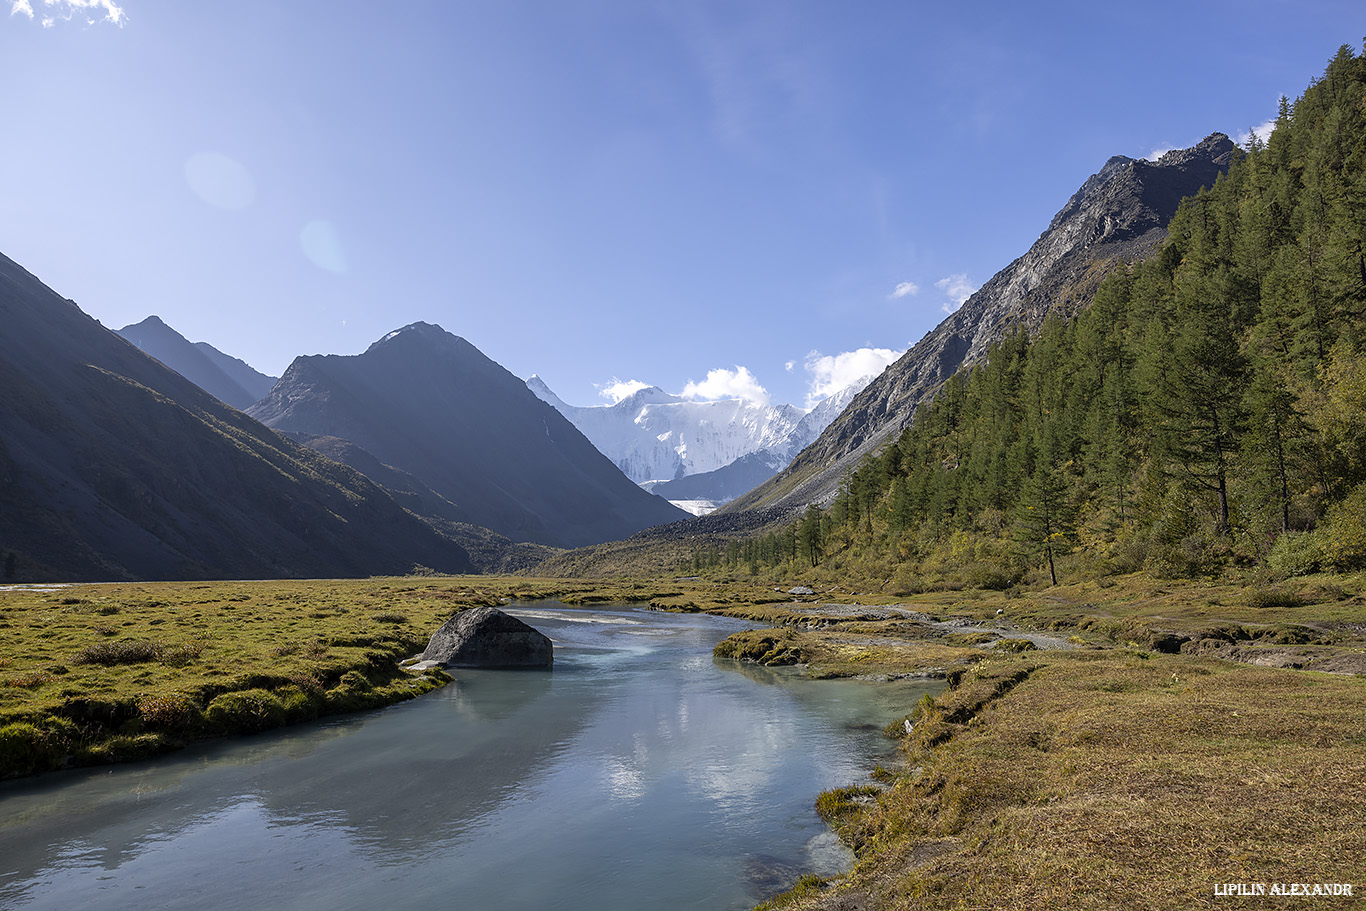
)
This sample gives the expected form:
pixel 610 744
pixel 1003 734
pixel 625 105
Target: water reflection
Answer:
pixel 638 772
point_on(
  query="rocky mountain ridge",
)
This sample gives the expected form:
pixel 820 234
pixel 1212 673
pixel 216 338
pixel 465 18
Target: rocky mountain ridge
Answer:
pixel 1118 216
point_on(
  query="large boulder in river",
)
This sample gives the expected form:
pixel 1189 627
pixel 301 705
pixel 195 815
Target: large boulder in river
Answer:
pixel 487 637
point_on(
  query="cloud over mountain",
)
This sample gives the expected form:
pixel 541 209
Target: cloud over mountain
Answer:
pixel 728 384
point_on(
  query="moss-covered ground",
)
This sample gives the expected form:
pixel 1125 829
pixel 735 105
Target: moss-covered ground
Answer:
pixel 102 673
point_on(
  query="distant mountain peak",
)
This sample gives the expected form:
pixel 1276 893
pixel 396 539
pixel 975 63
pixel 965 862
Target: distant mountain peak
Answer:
pixel 650 395
pixel 728 445
pixel 227 378
pixel 416 330
pixel 429 403
pixel 543 392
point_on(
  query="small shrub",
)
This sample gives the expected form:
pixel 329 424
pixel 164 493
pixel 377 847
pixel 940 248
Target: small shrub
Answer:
pixel 987 576
pixel 1272 596
pixel 124 651
pixel 1015 645
pixel 1296 553
pixel 307 682
pixel 1343 532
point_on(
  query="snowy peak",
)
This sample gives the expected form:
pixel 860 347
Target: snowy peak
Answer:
pixel 542 391
pixel 654 436
pixel 650 395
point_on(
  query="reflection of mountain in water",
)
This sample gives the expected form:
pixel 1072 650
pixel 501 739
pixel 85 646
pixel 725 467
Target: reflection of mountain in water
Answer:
pixel 635 768
pixel 376 777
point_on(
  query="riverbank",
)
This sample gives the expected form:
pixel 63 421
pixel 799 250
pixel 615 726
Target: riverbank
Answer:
pixel 1180 742
pixel 101 673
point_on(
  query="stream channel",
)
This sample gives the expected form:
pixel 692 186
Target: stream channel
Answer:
pixel 638 773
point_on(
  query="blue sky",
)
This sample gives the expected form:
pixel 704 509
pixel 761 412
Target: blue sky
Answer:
pixel 598 191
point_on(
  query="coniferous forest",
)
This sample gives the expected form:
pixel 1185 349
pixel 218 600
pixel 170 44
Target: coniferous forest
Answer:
pixel 1206 411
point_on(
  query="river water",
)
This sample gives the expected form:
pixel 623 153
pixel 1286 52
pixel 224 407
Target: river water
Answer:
pixel 638 773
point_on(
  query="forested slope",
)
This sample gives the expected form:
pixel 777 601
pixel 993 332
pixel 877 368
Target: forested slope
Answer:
pixel 1208 408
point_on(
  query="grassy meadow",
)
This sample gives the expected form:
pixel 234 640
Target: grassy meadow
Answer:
pixel 102 673
pixel 1130 742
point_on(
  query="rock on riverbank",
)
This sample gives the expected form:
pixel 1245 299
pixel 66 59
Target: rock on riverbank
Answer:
pixel 487 637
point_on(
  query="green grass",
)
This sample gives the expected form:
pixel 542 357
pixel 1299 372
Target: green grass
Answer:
pixel 101 673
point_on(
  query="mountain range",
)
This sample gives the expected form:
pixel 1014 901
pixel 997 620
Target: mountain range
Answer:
pixel 430 404
pixel 113 466
pixel 699 451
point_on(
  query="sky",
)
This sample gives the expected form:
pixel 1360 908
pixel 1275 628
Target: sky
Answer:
pixel 766 198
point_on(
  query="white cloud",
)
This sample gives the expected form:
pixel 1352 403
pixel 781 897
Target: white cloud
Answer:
pixel 831 373
pixel 958 288
pixel 620 389
pixel 727 384
pixel 905 289
pixel 67 9
pixel 1263 133
pixel 789 365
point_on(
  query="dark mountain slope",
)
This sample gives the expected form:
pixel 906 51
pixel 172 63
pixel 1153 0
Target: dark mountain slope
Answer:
pixel 231 380
pixel 1118 216
pixel 112 466
pixel 430 404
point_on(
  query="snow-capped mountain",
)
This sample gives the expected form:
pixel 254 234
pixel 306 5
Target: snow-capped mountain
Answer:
pixel 657 438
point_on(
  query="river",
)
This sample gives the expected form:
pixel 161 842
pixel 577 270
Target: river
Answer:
pixel 638 773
